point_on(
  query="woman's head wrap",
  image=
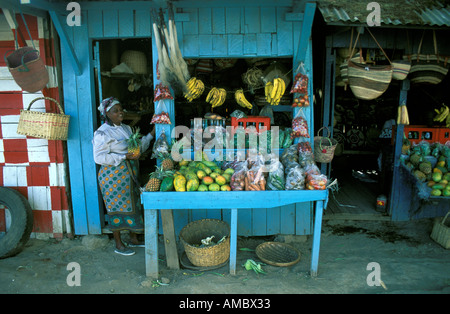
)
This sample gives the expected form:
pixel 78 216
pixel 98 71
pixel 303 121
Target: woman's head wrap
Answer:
pixel 107 104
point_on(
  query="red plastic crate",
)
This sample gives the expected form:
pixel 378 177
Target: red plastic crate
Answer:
pixel 419 133
pixel 265 121
pixel 444 135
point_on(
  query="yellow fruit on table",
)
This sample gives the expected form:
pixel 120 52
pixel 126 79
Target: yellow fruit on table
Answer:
pixel 179 183
pixel 192 185
pixel 227 177
pixel 226 187
pixel 229 171
pixel 183 163
pixel 214 175
pixel 436 192
pixel 207 180
pixel 220 180
pixel 446 192
pixel 437 176
pixel 214 187
pixel 440 164
pixel 201 174
pixel 443 182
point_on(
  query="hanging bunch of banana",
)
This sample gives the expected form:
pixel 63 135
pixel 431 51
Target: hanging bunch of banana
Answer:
pixel 274 90
pixel 402 115
pixel 216 97
pixel 195 89
pixel 443 114
pixel 241 100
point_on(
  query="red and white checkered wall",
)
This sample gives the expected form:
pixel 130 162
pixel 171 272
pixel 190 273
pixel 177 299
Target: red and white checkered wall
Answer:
pixel 34 167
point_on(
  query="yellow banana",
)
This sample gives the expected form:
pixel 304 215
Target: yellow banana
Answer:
pixel 274 89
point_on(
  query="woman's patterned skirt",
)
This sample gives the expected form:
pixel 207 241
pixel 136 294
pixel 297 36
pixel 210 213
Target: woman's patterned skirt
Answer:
pixel 121 196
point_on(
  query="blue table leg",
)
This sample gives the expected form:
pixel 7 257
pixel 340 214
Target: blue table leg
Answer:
pixel 151 242
pixel 316 238
pixel 233 241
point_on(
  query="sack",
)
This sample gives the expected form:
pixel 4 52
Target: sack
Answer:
pixel 429 69
pixel 25 65
pixel 368 82
pixel 400 69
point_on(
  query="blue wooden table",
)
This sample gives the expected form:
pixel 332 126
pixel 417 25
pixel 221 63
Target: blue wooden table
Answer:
pixel 235 200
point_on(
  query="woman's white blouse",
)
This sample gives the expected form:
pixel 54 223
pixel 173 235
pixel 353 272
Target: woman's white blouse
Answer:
pixel 110 143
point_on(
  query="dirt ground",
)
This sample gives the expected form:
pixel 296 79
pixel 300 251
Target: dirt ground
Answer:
pixel 410 262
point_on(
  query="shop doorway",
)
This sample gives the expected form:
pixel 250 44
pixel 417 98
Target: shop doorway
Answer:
pixel 123 69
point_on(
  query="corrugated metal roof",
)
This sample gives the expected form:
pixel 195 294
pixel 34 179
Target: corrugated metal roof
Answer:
pixel 396 13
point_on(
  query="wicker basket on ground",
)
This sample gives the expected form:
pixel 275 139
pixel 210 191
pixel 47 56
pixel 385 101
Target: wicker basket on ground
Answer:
pixel 211 255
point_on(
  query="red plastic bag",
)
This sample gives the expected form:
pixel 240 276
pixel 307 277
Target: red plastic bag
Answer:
pixel 161 115
pixel 299 126
pixel 162 92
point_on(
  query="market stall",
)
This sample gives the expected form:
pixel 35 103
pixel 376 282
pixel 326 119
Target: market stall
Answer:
pixel 163 201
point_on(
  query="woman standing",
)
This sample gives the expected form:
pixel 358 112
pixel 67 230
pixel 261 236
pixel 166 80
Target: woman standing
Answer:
pixel 118 173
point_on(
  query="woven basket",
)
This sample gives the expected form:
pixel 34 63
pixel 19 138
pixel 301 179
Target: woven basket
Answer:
pixel 400 69
pixel 441 232
pixel 277 254
pixel 136 60
pixel 192 234
pixel 27 69
pixel 51 126
pixel 324 147
pixel 368 82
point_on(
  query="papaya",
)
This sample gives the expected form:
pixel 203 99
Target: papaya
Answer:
pixel 179 183
pixel 214 175
pixel 438 186
pixel 440 164
pixel 190 175
pixel 192 185
pixel 436 192
pixel 202 188
pixel 209 164
pixel 446 192
pixel 220 180
pixel 447 176
pixel 431 183
pixel 229 171
pixel 183 163
pixel 214 187
pixel 166 184
pixel 227 177
pixel 201 166
pixel 201 174
pixel 437 176
pixel 207 180
pixel 225 187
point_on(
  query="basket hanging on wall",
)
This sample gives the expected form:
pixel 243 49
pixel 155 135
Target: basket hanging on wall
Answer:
pixel 26 66
pixel 51 126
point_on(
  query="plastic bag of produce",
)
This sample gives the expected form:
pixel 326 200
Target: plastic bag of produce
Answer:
pixel 275 179
pixel 161 115
pixel 300 125
pixel 316 182
pixel 295 179
pixel 237 181
pixel 161 146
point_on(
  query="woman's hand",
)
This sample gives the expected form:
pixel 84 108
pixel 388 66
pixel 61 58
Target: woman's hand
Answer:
pixel 132 157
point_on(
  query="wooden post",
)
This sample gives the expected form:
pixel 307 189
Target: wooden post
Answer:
pixel 170 242
pixel 151 243
pixel 233 241
pixel 316 238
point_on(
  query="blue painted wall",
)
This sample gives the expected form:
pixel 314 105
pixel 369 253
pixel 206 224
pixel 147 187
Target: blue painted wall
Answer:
pixel 205 30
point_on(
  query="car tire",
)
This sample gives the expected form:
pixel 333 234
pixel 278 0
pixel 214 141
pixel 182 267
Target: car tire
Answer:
pixel 21 222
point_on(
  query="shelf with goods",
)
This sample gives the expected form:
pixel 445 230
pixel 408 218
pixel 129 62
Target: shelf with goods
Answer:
pixel 224 145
